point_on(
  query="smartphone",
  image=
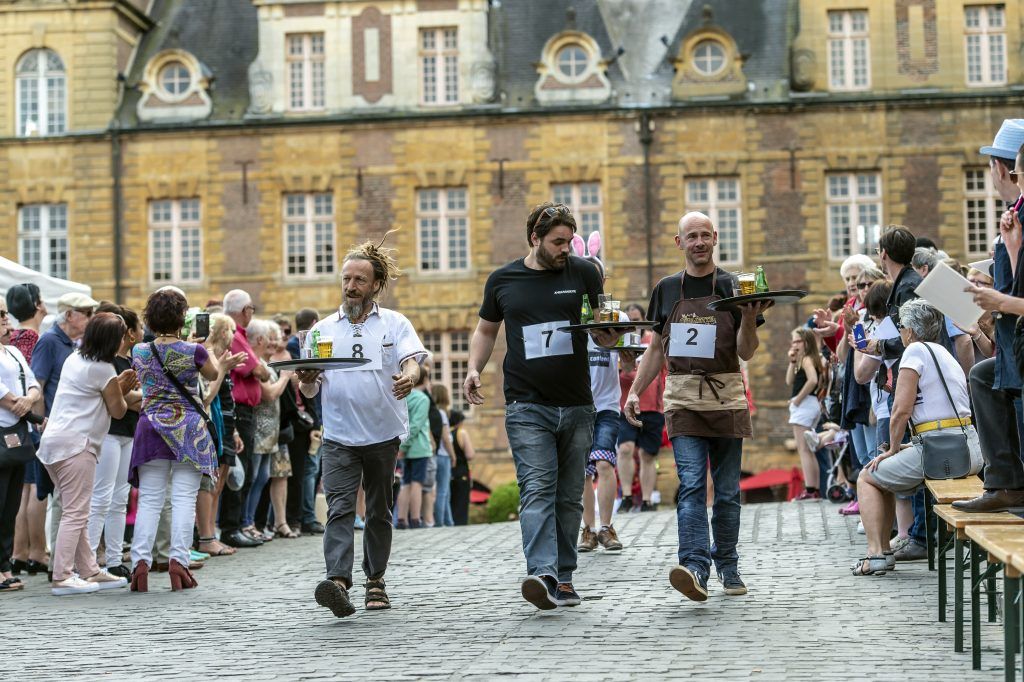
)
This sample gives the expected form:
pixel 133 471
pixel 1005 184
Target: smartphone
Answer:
pixel 202 325
pixel 859 338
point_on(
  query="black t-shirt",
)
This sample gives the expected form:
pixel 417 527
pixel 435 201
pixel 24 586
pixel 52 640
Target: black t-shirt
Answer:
pixel 125 426
pixel 671 288
pixel 543 365
pixel 1018 277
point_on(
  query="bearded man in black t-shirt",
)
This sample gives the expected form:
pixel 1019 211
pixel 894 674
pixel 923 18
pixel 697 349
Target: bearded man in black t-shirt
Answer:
pixel 549 409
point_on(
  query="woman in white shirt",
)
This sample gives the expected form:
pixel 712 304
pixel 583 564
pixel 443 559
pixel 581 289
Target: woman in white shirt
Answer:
pixel 19 391
pixel 89 394
pixel 921 398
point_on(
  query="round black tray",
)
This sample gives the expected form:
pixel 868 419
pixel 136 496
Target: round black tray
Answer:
pixel 635 349
pixel 626 324
pixel 785 296
pixel 319 363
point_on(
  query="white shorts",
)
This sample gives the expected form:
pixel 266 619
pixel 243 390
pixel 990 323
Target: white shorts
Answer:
pixel 805 413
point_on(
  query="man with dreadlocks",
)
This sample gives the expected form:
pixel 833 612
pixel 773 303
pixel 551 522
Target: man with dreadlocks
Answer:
pixel 364 418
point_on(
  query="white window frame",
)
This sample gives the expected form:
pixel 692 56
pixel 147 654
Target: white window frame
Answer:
pixel 706 58
pixel 314 218
pixel 181 229
pixel 449 348
pixel 847 41
pixel 51 117
pixel 854 200
pixel 577 196
pixel 47 239
pixel 445 215
pixel 989 37
pixel 991 204
pixel 716 206
pixel 443 59
pixel 311 84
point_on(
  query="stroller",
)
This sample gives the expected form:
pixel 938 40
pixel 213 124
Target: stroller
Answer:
pixel 842 475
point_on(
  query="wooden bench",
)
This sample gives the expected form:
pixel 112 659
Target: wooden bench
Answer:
pixel 944 491
pixel 1014 581
pixel 956 522
pixel 1001 544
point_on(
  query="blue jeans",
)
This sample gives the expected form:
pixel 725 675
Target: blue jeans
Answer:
pixel 865 442
pixel 550 446
pixel 882 431
pixel 695 549
pixel 261 472
pixel 443 488
pixel 309 487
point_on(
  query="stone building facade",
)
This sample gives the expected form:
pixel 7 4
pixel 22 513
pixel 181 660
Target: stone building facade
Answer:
pixel 247 144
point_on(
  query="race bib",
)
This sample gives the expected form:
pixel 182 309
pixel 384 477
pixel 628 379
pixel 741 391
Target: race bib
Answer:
pixel 692 340
pixel 544 340
pixel 369 347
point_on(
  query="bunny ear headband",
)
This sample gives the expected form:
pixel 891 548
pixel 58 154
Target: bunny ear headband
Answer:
pixel 593 245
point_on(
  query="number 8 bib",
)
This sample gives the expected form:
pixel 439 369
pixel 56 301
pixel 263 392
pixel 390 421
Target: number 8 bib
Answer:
pixel 368 347
pixel 544 340
pixel 692 340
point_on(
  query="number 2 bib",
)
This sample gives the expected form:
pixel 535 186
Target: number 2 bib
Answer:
pixel 692 340
pixel 544 340
pixel 368 347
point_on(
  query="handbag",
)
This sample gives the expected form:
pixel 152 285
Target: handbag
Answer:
pixel 187 394
pixel 22 451
pixel 944 452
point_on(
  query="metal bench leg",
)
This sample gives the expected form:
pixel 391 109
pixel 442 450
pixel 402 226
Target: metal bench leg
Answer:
pixel 940 551
pixel 975 607
pixel 1011 588
pixel 991 589
pixel 958 594
pixel 930 521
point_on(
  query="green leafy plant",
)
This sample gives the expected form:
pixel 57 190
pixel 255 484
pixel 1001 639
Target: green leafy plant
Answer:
pixel 503 504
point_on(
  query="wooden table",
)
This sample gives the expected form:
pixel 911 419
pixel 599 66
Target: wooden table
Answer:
pixel 1001 543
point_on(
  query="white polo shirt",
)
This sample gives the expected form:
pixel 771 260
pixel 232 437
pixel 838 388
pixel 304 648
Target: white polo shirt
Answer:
pixel 358 405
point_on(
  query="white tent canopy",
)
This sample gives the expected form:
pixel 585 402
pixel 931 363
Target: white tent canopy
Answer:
pixel 51 288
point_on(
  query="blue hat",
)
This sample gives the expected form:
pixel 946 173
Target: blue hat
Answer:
pixel 1008 140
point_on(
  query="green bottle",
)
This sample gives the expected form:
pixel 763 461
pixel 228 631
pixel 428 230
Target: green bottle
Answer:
pixel 315 348
pixel 760 281
pixel 586 312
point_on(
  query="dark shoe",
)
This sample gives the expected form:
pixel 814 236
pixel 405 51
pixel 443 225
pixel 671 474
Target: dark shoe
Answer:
pixel 402 525
pixel 413 524
pixel 993 501
pixel 140 577
pixel 732 583
pixel 315 528
pixel 648 506
pixel 609 539
pixel 588 540
pixel 32 567
pixel 626 505
pixel 181 577
pixel 540 591
pixel 237 538
pixel 334 596
pixel 565 595
pixel 692 584
pixel 17 566
pixel 120 571
pixel 911 551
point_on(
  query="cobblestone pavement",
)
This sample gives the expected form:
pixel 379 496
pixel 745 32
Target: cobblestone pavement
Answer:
pixel 458 615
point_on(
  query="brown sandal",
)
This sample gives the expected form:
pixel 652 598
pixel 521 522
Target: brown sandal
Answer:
pixel 376 598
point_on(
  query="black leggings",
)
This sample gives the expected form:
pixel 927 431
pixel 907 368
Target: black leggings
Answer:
pixel 11 480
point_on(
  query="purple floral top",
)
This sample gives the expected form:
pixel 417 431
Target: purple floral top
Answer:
pixel 169 427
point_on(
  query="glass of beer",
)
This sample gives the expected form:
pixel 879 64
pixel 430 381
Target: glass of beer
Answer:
pixel 326 346
pixel 747 283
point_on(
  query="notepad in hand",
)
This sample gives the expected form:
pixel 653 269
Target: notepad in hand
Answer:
pixel 944 288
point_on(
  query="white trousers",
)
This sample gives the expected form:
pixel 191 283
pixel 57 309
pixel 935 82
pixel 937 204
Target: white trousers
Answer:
pixel 110 498
pixel 153 478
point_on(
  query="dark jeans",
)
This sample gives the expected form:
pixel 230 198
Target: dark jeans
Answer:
pixel 344 468
pixel 692 456
pixel 995 417
pixel 461 486
pixel 232 501
pixel 10 499
pixel 550 446
pixel 297 451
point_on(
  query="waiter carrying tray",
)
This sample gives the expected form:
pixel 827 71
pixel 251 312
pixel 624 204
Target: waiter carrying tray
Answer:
pixel 705 403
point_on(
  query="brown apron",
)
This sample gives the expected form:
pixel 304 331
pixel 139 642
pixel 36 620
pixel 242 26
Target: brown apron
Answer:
pixel 705 397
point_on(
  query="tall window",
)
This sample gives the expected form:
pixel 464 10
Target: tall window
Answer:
pixel 849 61
pixel 43 238
pixel 451 363
pixel 985 44
pixel 719 199
pixel 175 241
pixel 584 200
pixel 854 213
pixel 442 224
pixel 439 65
pixel 982 210
pixel 305 57
pixel 309 234
pixel 41 93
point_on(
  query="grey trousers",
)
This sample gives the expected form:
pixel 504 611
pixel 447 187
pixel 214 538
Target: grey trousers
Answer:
pixel 344 468
pixel 996 422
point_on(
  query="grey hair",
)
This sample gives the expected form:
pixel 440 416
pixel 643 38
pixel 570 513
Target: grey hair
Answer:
pixel 858 261
pixel 923 319
pixel 873 274
pixel 236 300
pixel 925 258
pixel 258 329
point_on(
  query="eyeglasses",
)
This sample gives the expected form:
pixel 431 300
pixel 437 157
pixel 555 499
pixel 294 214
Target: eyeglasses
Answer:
pixel 84 311
pixel 864 285
pixel 1014 174
pixel 250 307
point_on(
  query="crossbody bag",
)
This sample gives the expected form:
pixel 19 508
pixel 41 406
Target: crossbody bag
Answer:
pixel 16 447
pixel 187 394
pixel 944 451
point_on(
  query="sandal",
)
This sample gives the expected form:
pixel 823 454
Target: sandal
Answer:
pixel 284 534
pixel 11 585
pixel 876 565
pixel 214 547
pixel 376 598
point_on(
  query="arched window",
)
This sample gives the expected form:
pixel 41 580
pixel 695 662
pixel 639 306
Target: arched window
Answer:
pixel 572 61
pixel 708 57
pixel 42 94
pixel 175 79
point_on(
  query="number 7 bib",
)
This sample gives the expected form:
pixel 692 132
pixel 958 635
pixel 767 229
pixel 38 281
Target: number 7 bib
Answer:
pixel 692 340
pixel 544 340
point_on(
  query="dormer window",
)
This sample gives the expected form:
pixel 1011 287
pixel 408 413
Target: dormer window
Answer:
pixel 571 70
pixel 708 57
pixel 572 61
pixel 175 79
pixel 708 64
pixel 174 87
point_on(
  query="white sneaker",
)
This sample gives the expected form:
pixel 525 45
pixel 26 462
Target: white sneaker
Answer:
pixel 860 528
pixel 106 581
pixel 73 585
pixel 813 440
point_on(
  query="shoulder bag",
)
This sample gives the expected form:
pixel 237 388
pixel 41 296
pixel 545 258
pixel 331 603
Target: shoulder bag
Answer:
pixel 16 447
pixel 944 452
pixel 187 394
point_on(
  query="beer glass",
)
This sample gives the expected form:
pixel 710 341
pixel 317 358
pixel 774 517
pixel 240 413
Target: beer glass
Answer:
pixel 326 346
pixel 747 283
